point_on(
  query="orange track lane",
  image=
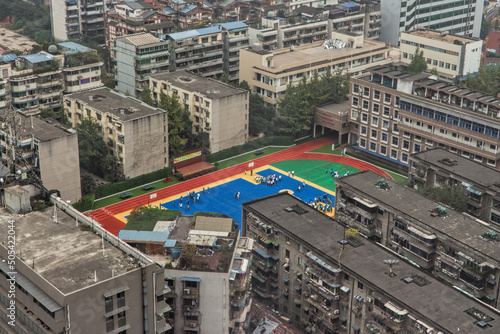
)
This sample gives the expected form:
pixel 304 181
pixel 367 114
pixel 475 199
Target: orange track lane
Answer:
pixel 105 216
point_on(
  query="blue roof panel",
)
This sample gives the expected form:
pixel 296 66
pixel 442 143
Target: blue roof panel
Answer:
pixel 187 9
pixel 349 5
pixel 38 58
pixel 146 236
pixel 72 47
pixel 233 25
pixel 9 57
pixel 193 33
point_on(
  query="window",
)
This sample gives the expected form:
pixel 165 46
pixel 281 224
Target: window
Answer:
pixel 395 141
pixel 383 150
pixel 366 105
pixel 207 104
pixel 385 124
pixel 355 101
pixel 453 149
pixel 363 130
pixel 373 146
pixel 395 128
pixel 376 108
pixel 186 96
pixel 394 154
pixel 366 91
pixel 387 98
pixel 429 142
pixel 346 276
pixel 418 138
pixel 384 137
pixel 374 134
pixel 374 121
pixel 406 145
pixel 120 298
pixel 434 62
pixel 110 324
pixel 387 111
pixel 364 117
pixel 454 67
pixel 287 253
pixel 404 157
pixel 447 66
pixel 355 88
pixel 441 64
pixel 405 55
pixel 416 148
pixel 362 142
pixel 491 162
pixel 360 285
pixel 376 95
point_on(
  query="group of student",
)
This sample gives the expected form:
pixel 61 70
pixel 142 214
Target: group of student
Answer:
pixel 319 205
pixel 192 197
pixel 269 180
pixel 335 174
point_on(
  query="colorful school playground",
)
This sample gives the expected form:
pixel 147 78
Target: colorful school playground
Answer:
pixel 217 191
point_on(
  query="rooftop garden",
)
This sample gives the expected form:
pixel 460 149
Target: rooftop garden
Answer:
pixel 82 58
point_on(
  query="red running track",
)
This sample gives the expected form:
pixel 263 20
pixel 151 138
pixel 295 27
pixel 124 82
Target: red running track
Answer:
pixel 105 215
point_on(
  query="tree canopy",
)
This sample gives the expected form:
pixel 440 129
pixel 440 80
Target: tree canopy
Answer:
pixel 487 80
pixel 296 110
pixel 179 124
pixel 260 115
pixel 418 63
pixel 454 196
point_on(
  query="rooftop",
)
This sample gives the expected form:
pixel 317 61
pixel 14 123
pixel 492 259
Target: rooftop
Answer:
pixel 441 36
pixel 68 48
pixel 121 106
pixel 316 52
pixel 140 39
pixel 210 88
pixel 42 129
pixel 38 57
pixel 65 255
pixel 455 226
pixel 462 167
pixel 193 33
pixel 322 234
pixel 337 108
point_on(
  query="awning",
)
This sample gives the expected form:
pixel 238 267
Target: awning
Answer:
pixel 345 289
pixel 163 329
pixel 368 204
pixel 475 192
pixel 262 253
pixel 395 309
pixel 465 184
pixel 190 279
pixel 358 297
pixel 297 301
pixel 164 310
pixel 342 319
pixel 422 234
pixel 286 279
pixel 275 258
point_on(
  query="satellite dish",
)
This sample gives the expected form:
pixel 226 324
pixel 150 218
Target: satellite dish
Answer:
pixel 18 172
pixel 391 262
pixel 52 48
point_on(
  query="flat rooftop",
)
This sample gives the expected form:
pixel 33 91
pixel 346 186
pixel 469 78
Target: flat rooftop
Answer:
pixel 284 60
pixel 140 39
pixel 455 226
pixel 42 129
pixel 123 107
pixel 462 167
pixel 337 108
pixel 440 36
pixel 65 255
pixel 210 88
pixel 436 301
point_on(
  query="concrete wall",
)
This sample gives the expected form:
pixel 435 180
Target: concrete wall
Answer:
pixel 60 166
pixel 389 30
pixel 229 122
pixel 472 57
pixel 146 145
pixel 125 70
pixel 58 20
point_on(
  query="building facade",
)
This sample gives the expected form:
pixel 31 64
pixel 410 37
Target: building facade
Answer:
pixel 137 134
pixel 329 281
pixel 44 151
pixel 450 55
pixel 436 167
pixel 131 17
pixel 75 19
pixel 456 17
pixel 72 275
pixel 215 108
pixel 453 246
pixel 209 51
pixel 269 73
pixel 138 56
pixel 395 114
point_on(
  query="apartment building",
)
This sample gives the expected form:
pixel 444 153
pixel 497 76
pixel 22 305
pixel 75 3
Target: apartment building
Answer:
pixel 328 280
pixel 215 108
pixel 131 17
pixel 461 17
pixel 209 292
pixel 365 18
pixel 451 55
pixel 137 56
pixel 71 275
pixel 395 114
pixel 269 73
pixel 136 133
pixel 83 66
pixel 35 151
pixel 437 167
pixel 76 19
pixel 209 51
pixel 454 246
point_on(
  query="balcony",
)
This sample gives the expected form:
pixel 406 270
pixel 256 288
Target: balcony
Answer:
pixel 191 325
pixel 190 293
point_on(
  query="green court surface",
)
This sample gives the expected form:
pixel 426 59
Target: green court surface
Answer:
pixel 314 171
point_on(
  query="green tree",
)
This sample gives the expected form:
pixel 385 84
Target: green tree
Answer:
pixel 260 115
pixel 88 184
pixel 146 96
pixel 244 85
pixel 92 148
pixel 296 110
pixel 487 80
pixel 224 78
pixel 485 29
pixel 418 63
pixel 177 129
pixel 454 196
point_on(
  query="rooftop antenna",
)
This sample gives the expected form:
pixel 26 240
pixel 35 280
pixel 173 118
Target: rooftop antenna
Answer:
pixel 391 263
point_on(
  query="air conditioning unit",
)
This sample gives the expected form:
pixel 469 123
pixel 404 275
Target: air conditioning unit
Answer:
pixel 187 291
pixel 368 300
pixel 337 297
pixel 336 312
pixel 192 325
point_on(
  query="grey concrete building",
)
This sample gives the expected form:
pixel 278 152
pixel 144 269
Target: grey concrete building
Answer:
pixel 35 150
pixel 332 281
pixel 137 56
pixel 454 246
pixel 437 167
pixel 216 108
pixel 136 133
pixel 70 275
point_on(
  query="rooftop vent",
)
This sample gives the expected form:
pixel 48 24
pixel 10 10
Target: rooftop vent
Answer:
pixel 448 161
pixel 334 44
pixel 438 211
pixel 491 235
pixel 185 79
pixel 478 314
pixel 297 209
pixel 382 183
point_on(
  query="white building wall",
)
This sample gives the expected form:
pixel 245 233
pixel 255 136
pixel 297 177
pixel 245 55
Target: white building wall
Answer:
pixel 58 20
pixel 472 57
pixel 389 30
pixel 125 70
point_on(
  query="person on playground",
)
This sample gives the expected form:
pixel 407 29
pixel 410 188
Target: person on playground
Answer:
pixel 298 188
